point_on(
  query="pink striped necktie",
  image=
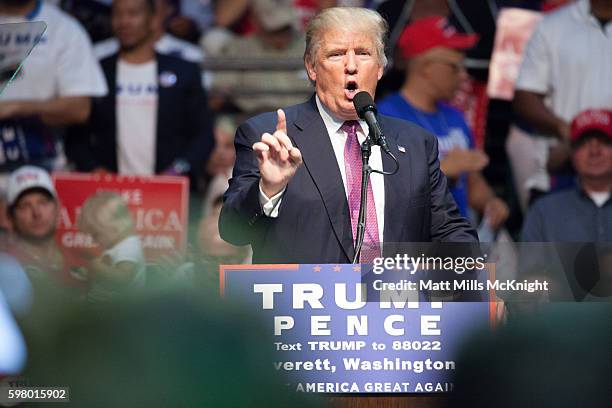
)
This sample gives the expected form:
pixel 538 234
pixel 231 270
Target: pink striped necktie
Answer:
pixel 353 166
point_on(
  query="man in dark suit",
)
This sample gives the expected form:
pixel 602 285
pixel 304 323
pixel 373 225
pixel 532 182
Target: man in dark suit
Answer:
pixel 155 119
pixel 307 213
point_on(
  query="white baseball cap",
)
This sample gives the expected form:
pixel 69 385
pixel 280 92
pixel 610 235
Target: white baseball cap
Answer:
pixel 26 178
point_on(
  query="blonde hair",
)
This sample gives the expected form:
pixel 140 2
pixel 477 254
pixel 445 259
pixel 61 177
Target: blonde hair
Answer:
pixel 106 211
pixel 356 19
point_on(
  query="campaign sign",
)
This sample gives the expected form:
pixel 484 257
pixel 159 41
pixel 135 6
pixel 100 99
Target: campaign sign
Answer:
pixel 330 338
pixel 158 205
pixel 471 98
pixel 514 28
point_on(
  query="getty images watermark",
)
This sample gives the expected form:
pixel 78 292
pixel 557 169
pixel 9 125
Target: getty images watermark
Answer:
pixel 404 272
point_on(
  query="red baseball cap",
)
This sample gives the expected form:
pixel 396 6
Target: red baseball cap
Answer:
pixel 599 120
pixel 430 32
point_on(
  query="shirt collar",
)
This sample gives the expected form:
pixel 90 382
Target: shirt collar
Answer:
pixel 583 12
pixel 582 193
pixel 583 8
pixel 332 123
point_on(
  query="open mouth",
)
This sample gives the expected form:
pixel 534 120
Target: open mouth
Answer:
pixel 351 89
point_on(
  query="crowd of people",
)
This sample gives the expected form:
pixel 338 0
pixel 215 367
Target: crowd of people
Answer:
pixel 159 87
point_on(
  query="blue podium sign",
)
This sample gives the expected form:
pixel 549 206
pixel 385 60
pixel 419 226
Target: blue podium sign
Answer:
pixel 331 335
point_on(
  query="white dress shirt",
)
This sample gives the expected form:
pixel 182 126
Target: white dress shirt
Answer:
pixel 338 137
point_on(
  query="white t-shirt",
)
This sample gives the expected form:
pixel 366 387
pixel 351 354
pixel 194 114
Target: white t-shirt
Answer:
pixel 569 59
pixel 62 64
pixel 136 117
pixel 130 250
pixel 599 198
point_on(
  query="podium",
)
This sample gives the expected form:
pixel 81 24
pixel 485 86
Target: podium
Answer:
pixel 334 335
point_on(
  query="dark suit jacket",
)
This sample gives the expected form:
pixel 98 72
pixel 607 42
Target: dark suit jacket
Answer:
pixel 184 123
pixel 313 225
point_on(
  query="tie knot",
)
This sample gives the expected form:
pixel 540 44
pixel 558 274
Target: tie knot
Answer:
pixel 350 127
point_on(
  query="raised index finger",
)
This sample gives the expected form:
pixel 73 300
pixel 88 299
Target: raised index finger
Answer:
pixel 281 123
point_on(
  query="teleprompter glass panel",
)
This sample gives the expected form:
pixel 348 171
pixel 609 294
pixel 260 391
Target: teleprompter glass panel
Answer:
pixel 17 40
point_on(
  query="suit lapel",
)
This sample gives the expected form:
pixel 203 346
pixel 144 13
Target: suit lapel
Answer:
pixel 395 189
pixel 310 136
pixel 163 93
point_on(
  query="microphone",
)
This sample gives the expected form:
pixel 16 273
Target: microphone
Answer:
pixel 366 110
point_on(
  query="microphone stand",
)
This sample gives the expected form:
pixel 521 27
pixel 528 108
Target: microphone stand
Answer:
pixel 366 170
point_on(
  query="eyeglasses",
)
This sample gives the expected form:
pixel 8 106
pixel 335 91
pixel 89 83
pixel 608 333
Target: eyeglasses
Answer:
pixel 455 66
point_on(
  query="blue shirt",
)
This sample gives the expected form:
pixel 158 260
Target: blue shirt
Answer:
pixel 577 233
pixel 449 126
pixel 568 216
